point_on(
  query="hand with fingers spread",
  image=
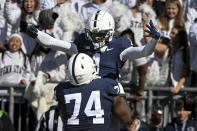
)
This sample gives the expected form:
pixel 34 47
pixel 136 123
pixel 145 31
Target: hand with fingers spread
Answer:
pixel 153 32
pixel 32 31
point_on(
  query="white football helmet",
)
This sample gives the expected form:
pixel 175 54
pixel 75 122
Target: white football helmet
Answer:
pixel 81 69
pixel 100 28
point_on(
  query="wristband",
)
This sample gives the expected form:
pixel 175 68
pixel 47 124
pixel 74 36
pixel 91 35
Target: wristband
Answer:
pixel 139 93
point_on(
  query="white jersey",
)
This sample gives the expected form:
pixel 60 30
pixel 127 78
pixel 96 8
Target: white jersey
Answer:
pixel 134 23
pixel 14 67
pixel 53 63
pixel 89 8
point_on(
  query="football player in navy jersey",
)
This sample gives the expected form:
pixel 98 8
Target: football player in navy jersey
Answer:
pixel 109 52
pixel 86 102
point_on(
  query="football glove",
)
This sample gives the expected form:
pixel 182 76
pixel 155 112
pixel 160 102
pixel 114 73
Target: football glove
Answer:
pixel 32 31
pixel 153 32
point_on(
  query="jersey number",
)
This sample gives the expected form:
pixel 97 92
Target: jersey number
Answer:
pixel 94 99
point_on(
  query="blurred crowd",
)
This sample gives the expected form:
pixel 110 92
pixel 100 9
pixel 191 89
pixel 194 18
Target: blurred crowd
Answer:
pixel 23 61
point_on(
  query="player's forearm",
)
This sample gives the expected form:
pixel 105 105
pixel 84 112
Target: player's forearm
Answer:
pixel 48 41
pixel 122 110
pixel 142 76
pixel 180 83
pixel 138 52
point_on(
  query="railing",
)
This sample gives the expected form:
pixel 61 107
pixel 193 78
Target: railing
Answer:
pixel 16 92
pixel 13 94
pixel 170 98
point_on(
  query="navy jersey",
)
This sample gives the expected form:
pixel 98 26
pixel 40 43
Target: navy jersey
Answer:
pixel 87 107
pixel 190 125
pixel 109 62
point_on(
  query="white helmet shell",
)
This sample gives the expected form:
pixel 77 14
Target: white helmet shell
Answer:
pixel 100 23
pixel 81 69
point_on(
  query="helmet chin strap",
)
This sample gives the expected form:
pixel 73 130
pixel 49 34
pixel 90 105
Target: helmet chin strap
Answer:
pixel 102 49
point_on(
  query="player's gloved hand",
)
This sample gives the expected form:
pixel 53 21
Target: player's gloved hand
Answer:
pixel 153 32
pixel 32 31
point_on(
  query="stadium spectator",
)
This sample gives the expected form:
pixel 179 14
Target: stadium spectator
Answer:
pixel 180 59
pixel 182 121
pixel 12 15
pixel 14 65
pixel 48 68
pixel 147 15
pixel 132 19
pixel 29 15
pixel 193 53
pixel 172 16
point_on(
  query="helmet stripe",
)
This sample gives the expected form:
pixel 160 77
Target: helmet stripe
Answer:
pixel 96 17
pixel 73 70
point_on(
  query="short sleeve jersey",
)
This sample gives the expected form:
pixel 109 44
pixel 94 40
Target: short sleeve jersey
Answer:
pixel 87 107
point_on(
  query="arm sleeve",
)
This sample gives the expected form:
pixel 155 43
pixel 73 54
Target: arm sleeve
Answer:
pixel 46 40
pixel 138 52
pixel 140 61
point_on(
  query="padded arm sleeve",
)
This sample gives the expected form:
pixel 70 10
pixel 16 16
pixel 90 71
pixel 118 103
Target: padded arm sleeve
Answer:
pixel 138 52
pixel 46 40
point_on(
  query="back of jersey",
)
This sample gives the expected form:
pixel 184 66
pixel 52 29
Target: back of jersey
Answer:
pixel 87 107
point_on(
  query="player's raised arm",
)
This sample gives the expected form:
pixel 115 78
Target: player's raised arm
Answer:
pixel 142 51
pixel 47 40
